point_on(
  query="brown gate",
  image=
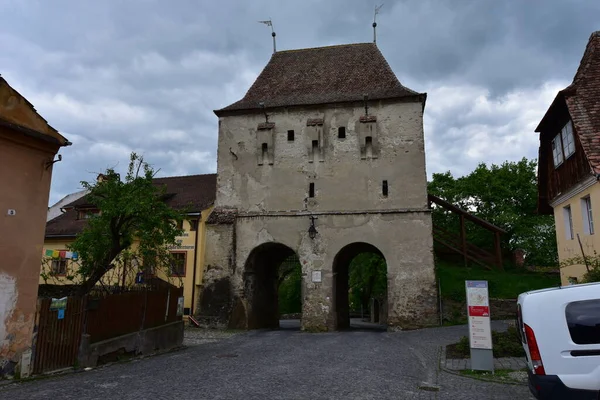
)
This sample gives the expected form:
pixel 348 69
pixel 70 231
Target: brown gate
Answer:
pixel 58 340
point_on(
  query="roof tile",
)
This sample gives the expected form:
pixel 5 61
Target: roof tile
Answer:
pixel 323 75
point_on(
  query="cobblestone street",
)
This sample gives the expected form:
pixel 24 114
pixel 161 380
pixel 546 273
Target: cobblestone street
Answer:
pixel 285 364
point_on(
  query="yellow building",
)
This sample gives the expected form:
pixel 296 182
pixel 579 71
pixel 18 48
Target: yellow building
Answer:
pixel 194 193
pixel 569 164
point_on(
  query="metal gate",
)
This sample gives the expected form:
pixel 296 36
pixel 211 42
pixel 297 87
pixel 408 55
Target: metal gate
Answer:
pixel 59 334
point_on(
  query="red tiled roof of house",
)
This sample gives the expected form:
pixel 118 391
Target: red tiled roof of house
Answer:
pixel 191 193
pixel 323 75
pixel 583 102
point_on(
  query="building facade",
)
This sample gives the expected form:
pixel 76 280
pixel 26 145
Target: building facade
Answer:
pixel 322 159
pixel 28 146
pixel 569 164
pixel 193 194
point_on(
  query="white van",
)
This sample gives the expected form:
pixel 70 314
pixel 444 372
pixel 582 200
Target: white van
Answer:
pixel 560 331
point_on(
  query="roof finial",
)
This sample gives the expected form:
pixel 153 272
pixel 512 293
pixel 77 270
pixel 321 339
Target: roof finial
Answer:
pixel 270 23
pixel 377 8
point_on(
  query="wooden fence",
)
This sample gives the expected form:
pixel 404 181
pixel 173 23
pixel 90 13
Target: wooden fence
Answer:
pixel 58 340
pixel 103 318
pixel 120 314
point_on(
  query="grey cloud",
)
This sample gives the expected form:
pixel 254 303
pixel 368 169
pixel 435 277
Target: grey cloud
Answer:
pixel 145 75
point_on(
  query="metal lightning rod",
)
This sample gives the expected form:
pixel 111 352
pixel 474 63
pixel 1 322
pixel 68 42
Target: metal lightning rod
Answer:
pixel 270 23
pixel 377 8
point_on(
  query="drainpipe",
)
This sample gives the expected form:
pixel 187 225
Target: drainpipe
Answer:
pixel 195 264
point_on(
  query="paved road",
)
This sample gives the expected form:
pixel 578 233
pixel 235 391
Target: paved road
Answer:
pixel 285 364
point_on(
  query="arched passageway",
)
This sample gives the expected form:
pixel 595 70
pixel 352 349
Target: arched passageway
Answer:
pixel 268 267
pixel 360 278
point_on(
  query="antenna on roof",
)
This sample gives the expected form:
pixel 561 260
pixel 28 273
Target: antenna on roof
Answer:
pixel 270 23
pixel 377 8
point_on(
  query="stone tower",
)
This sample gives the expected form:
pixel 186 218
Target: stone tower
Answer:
pixel 323 157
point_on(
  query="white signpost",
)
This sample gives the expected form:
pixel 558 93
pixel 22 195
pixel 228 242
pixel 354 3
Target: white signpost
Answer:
pixel 480 331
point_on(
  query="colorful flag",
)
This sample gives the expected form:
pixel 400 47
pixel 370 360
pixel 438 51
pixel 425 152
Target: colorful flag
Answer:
pixel 62 253
pixel 49 253
pixel 55 254
pixel 69 254
pixel 75 255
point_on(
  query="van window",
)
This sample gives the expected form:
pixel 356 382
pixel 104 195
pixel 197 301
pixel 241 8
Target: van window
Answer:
pixel 583 320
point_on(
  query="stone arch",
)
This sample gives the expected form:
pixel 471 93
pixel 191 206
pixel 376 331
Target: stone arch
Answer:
pixel 260 279
pixel 341 264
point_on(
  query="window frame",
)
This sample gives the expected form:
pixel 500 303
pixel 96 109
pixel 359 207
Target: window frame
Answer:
pixel 58 262
pixel 587 215
pixel 567 131
pixel 557 151
pixel 568 221
pixel 184 264
pixel 563 144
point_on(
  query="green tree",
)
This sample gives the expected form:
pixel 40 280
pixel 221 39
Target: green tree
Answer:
pixel 367 279
pixel 130 209
pixel 506 196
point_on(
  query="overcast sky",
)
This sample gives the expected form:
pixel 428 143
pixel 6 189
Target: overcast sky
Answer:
pixel 115 76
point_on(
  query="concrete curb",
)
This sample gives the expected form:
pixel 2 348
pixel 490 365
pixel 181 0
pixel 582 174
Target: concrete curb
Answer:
pixel 442 361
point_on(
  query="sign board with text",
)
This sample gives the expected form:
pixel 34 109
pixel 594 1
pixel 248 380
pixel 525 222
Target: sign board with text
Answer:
pixel 480 331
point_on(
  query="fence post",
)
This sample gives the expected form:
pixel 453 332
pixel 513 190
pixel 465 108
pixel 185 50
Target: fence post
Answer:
pixel 498 251
pixel 168 304
pixel 463 238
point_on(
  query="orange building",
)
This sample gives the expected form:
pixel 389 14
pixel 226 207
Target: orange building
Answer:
pixel 28 146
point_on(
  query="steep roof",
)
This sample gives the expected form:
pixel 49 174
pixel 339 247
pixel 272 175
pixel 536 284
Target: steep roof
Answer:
pixel 192 193
pixel 21 117
pixel 323 75
pixel 582 98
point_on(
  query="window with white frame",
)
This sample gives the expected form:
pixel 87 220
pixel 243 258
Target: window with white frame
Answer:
pixel 557 154
pixel 586 211
pixel 563 144
pixel 568 142
pixel 568 217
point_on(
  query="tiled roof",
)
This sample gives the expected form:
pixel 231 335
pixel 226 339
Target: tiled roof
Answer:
pixel 583 101
pixel 191 193
pixel 323 75
pixel 582 98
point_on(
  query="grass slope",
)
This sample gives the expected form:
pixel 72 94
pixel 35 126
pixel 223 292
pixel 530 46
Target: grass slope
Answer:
pixel 507 284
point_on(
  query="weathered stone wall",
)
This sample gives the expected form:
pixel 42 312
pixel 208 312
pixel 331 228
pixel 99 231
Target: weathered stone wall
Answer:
pixel 343 180
pixel 265 177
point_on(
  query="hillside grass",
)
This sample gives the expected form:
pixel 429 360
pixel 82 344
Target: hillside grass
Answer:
pixel 507 284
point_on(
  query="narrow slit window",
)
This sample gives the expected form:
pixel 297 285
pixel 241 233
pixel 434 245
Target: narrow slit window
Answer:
pixel 311 190
pixel 265 152
pixel 384 188
pixel 369 146
pixel 291 135
pixel 342 132
pixel 315 149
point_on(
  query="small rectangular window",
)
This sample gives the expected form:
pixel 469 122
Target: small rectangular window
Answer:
pixel 384 188
pixel 177 264
pixel 568 218
pixel 557 154
pixel 291 135
pixel 342 132
pixel 59 267
pixel 265 152
pixel 315 150
pixel 193 224
pixel 568 141
pixel 588 219
pixel 583 320
pixel 311 190
pixel 369 146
